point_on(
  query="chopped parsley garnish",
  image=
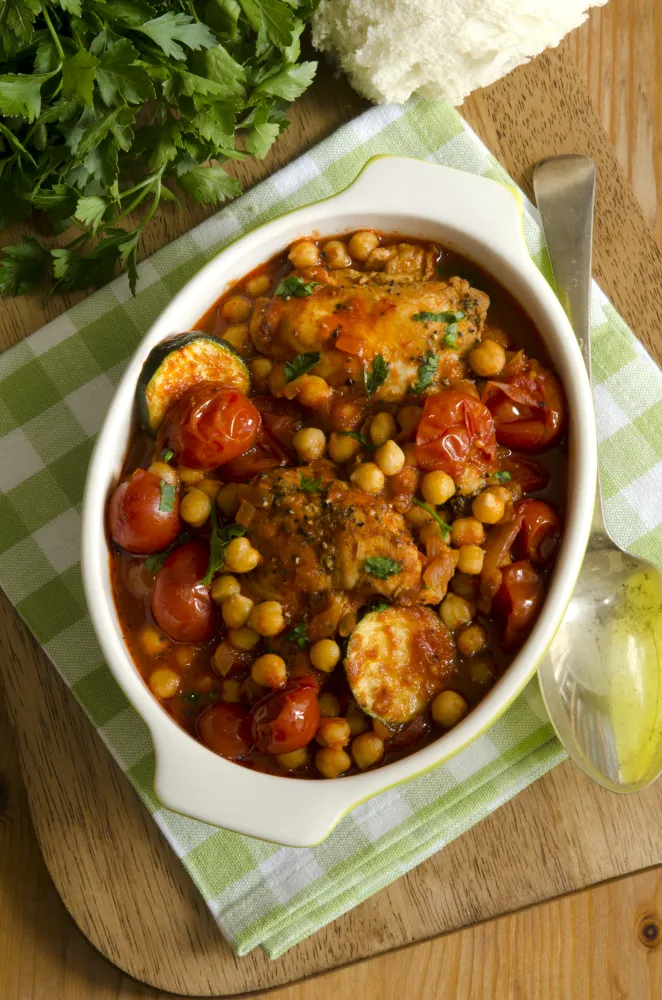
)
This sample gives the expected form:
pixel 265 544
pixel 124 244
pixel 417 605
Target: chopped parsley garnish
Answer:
pixel 301 364
pixel 445 528
pixel 450 337
pixel 219 540
pixel 167 454
pixel 426 374
pixel 502 476
pixel 295 288
pixel 298 635
pixel 442 317
pixel 378 606
pixel 381 567
pixel 310 485
pixel 156 561
pixel 167 498
pixel 372 380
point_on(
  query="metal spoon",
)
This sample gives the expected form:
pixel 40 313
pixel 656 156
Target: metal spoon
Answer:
pixel 602 677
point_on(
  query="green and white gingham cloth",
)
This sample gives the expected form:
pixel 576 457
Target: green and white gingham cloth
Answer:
pixel 54 390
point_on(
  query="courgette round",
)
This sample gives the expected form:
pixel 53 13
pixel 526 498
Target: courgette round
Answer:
pixel 176 364
pixel 397 660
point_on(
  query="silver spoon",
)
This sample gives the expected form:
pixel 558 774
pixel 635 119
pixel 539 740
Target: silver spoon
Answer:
pixel 602 677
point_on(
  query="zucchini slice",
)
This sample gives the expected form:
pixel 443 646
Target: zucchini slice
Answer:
pixel 397 661
pixel 176 364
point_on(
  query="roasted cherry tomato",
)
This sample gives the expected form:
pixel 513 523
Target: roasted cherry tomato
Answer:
pixel 527 404
pixel 529 475
pixel 540 534
pixel 288 720
pixel 455 429
pixel 273 445
pixel 181 604
pixel 518 599
pixel 226 729
pixel 210 425
pixel 144 514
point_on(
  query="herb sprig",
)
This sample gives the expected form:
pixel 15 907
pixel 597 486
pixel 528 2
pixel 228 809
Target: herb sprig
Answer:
pixel 376 377
pixel 381 567
pixel 445 528
pixel 426 374
pixel 301 365
pixel 219 540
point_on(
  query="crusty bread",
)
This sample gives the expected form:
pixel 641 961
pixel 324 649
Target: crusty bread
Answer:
pixel 438 48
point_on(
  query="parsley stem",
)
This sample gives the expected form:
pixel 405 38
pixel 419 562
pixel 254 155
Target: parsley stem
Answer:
pixel 53 32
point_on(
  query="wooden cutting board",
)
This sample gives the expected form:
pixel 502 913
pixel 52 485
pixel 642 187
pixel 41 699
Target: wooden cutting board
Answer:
pixel 123 886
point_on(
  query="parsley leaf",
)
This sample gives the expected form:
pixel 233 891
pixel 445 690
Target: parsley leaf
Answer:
pixel 298 635
pixel 301 364
pixel 290 82
pixel 209 185
pixel 23 267
pixel 171 28
pixel 219 540
pixel 502 476
pixel 167 499
pixel 91 211
pixel 381 567
pixel 156 561
pixel 450 337
pixel 167 454
pixel 308 485
pixel 295 288
pixel 445 528
pixel 372 380
pixel 440 317
pixel 426 373
pixel 378 606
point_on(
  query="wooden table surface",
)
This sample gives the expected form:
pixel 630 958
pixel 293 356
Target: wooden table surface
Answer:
pixel 601 943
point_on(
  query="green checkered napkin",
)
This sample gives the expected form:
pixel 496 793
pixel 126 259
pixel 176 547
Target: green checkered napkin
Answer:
pixel 54 390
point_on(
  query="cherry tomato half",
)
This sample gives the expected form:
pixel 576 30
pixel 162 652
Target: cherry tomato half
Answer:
pixel 273 445
pixel 528 407
pixel 539 537
pixel 210 425
pixel 181 604
pixel 518 599
pixel 288 720
pixel 144 514
pixel 455 429
pixel 226 729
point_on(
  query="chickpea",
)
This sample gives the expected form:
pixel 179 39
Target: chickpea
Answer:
pixel 488 507
pixel 494 333
pixel 428 531
pixel 223 587
pixel 294 760
pixel 329 705
pixel 465 586
pixel 409 417
pixel 334 732
pixel 164 682
pixel 243 639
pixel 469 481
pixel 325 654
pixel 236 309
pixel 153 642
pixel 227 500
pixel 236 610
pixel 368 477
pixel 260 371
pixel 362 244
pixel 467 531
pixel 195 507
pixel 455 611
pixel 487 359
pixel 390 458
pixel 334 254
pixel 470 559
pixel 304 254
pixel 185 655
pixel 331 763
pixel 471 640
pixel 342 447
pixel 358 720
pixel 269 671
pixel 448 708
pixel 231 691
pixel 259 285
pixel 417 517
pixel 165 472
pixel 237 336
pixel 309 443
pixel 367 749
pixel 437 488
pixel 314 392
pixel 481 672
pixel 240 556
pixel 190 476
pixel 382 427
pixel 267 618
pixel 346 416
pixel 277 379
pixel 383 731
pixel 210 487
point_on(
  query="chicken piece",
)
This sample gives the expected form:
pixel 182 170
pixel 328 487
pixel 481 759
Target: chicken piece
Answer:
pixel 352 323
pixel 317 539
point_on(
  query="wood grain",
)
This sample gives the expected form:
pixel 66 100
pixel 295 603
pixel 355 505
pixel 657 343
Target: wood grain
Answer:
pixel 560 852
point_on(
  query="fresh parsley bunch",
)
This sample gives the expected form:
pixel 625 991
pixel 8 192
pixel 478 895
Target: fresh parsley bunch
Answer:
pixel 107 105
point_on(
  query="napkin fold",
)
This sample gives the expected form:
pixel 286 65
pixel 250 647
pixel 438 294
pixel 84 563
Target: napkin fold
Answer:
pixel 54 390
